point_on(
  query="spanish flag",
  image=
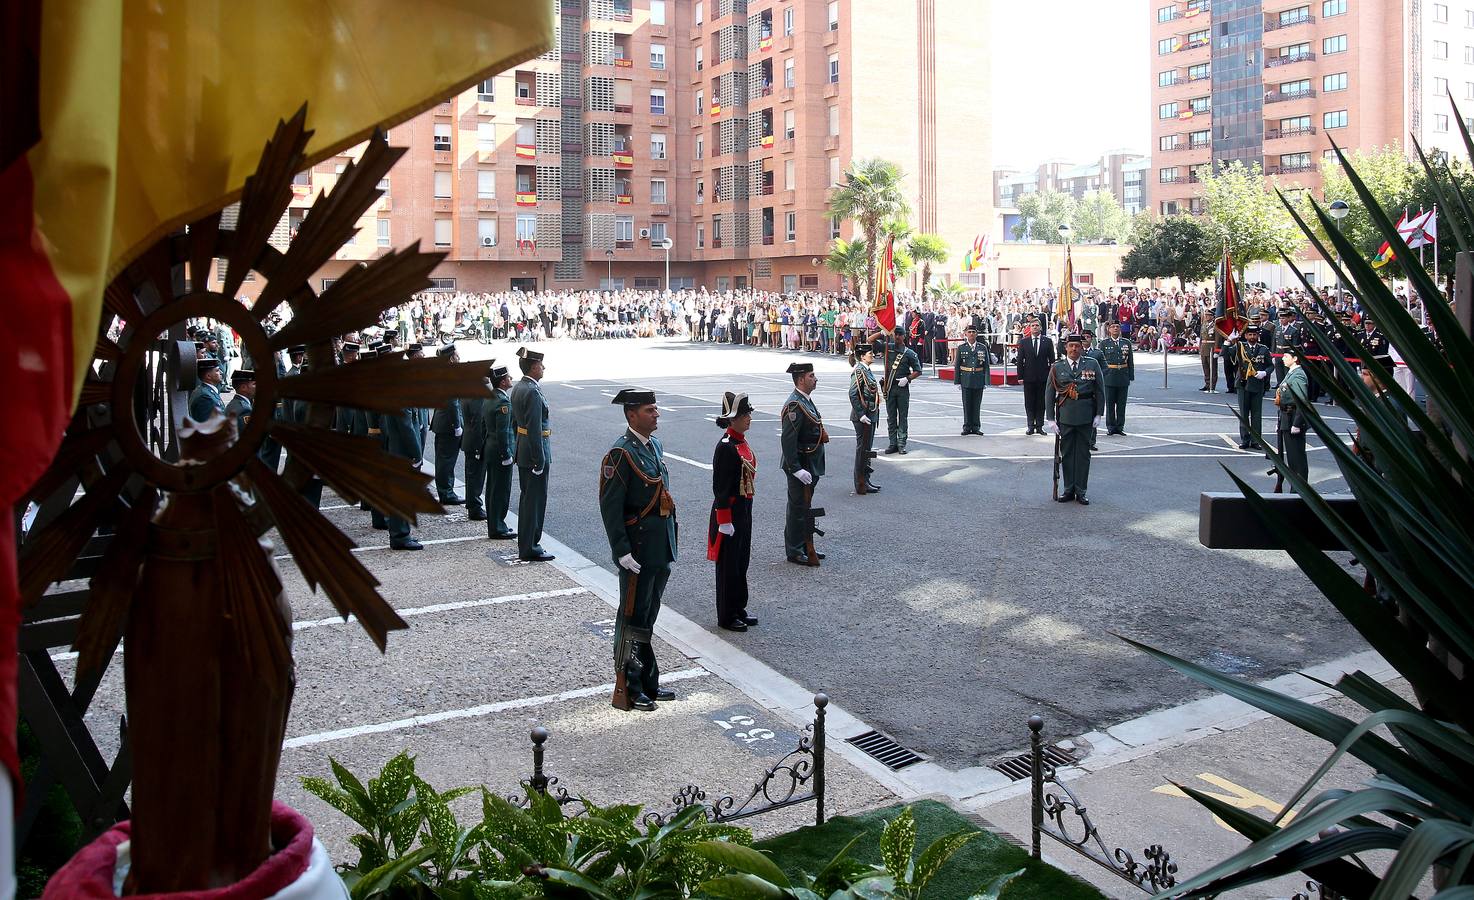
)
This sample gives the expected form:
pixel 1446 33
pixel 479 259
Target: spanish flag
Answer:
pixel 884 306
pixel 526 151
pixel 123 120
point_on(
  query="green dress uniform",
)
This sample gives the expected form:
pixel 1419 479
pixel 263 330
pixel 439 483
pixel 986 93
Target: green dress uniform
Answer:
pixel 1292 398
pixel 901 368
pixel 496 412
pixel 1119 364
pixel 1074 417
pixel 448 426
pixel 1095 353
pixel 1286 340
pixel 401 436
pixel 639 520
pixel 803 440
pixel 971 371
pixel 205 401
pixel 473 445
pixel 1251 390
pixel 864 402
pixel 239 407
pixel 534 457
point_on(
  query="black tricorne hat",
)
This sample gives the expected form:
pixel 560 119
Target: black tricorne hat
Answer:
pixel 446 351
pixel 800 368
pixel 498 373
pixel 240 375
pixel 734 406
pixel 1074 339
pixel 351 347
pixel 529 355
pixel 205 365
pixel 296 348
pixel 634 397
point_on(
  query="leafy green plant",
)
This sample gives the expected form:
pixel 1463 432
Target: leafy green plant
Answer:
pixel 1419 555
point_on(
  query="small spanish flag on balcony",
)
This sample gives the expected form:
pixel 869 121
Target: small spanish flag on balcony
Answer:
pixel 1192 11
pixel 1176 44
pixel 767 140
pixel 625 198
pixel 1185 114
pixel 764 44
pixel 526 199
pixel 526 151
pixel 623 161
pixel 623 62
pixel 716 109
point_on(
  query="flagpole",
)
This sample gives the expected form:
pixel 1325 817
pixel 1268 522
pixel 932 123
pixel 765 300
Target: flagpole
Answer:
pixel 1435 253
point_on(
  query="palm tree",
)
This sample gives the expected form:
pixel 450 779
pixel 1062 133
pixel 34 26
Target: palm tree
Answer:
pixel 849 259
pixel 927 248
pixel 870 194
pixel 952 291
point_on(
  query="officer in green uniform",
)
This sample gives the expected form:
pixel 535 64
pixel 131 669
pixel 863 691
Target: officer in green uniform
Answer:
pixel 400 433
pixel 1120 370
pixel 1094 353
pixel 1286 340
pixel 902 366
pixel 473 445
pixel 1074 401
pixel 1268 332
pixel 345 418
pixel 1377 343
pixel 1253 358
pixel 534 455
pixel 239 407
pixel 1293 398
pixel 498 455
pixel 803 441
pixel 205 400
pixel 970 369
pixel 640 521
pixel 448 426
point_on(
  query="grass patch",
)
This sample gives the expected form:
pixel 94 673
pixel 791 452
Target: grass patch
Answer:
pixel 982 859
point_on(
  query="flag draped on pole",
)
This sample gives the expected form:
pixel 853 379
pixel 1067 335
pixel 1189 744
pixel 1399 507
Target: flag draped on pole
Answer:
pixel 123 120
pixel 1227 316
pixel 1064 306
pixel 1385 253
pixel 884 305
pixel 1421 230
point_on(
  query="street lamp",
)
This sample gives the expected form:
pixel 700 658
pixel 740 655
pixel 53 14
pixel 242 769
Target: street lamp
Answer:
pixel 1338 211
pixel 608 270
pixel 666 245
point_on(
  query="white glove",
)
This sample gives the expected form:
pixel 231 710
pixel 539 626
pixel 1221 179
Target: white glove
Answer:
pixel 1264 375
pixel 537 471
pixel 804 476
pixel 865 420
pixel 1056 427
pixel 1095 422
pixel 508 461
pixel 1295 429
pixel 902 382
pixel 458 432
pixel 727 529
pixel 628 563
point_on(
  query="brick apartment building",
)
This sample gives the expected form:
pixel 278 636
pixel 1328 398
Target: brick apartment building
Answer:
pixel 1275 82
pixel 717 124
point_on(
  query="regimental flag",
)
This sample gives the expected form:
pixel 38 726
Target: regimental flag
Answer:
pixel 526 199
pixel 624 198
pixel 1421 230
pixel 526 151
pixel 716 109
pixel 105 149
pixel 767 140
pixel 884 305
pixel 1064 305
pixel 526 245
pixel 764 44
pixel 1385 253
pixel 623 160
pixel 1226 315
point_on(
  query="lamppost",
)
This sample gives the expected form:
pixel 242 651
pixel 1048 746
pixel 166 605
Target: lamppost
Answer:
pixel 1066 286
pixel 666 245
pixel 1338 211
pixel 609 270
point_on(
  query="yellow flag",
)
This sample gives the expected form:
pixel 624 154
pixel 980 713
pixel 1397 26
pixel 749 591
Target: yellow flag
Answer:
pixel 1066 301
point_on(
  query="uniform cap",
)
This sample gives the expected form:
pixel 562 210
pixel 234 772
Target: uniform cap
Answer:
pixel 205 365
pixel 863 348
pixel 800 368
pixel 1286 311
pixel 416 347
pixel 634 397
pixel 1251 329
pixel 350 347
pixel 734 406
pixel 969 327
pixel 297 348
pixel 240 375
pixel 498 373
pixel 447 350
pixel 529 355
pixel 1074 339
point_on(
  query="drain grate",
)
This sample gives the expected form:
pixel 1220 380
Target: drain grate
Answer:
pixel 1017 768
pixel 885 749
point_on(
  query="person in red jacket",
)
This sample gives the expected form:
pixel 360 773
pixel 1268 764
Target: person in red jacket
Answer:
pixel 729 532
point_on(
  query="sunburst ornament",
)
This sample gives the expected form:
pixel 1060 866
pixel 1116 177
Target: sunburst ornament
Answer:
pixel 187 580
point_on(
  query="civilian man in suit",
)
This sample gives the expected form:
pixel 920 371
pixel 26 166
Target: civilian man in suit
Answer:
pixel 1035 357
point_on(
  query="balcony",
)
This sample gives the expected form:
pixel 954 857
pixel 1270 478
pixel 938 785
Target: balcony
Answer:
pixel 1276 23
pixel 767 240
pixel 765 191
pixel 443 204
pixel 1175 179
pixel 526 101
pixel 1274 134
pixel 624 245
pixel 1281 97
pixel 625 108
pixel 1291 169
pixel 1271 62
pixel 716 243
pixel 486 204
pixel 1192 78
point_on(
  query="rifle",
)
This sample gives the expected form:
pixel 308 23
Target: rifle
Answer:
pixel 1056 467
pixel 624 645
pixel 1279 450
pixel 810 527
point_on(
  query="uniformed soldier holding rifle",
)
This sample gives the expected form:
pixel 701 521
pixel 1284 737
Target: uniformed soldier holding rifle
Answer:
pixel 1074 402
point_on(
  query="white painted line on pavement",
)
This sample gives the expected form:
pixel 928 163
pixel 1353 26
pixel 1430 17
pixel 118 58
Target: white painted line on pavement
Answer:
pixel 689 462
pixel 569 384
pixel 474 712
pixel 454 540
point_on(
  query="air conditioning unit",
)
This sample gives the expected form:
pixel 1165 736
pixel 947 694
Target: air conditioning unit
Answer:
pixel 644 234
pixel 488 242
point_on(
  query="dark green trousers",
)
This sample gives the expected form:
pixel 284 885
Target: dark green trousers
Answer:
pixel 972 409
pixel 498 497
pixel 475 481
pixel 641 671
pixel 794 531
pixel 531 506
pixel 1115 407
pixel 1074 456
pixel 897 409
pixel 1251 409
pixel 447 448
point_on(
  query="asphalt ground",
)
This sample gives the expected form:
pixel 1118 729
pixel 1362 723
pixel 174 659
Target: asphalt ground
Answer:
pixel 960 600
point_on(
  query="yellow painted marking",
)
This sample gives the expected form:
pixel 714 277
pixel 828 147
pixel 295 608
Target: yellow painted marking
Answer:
pixel 1238 796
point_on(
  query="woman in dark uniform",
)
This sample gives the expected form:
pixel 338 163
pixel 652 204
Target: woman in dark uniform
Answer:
pixel 729 533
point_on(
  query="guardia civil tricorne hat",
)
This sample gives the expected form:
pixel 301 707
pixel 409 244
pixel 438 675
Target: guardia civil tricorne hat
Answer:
pixel 634 397
pixel 800 368
pixel 734 406
pixel 529 355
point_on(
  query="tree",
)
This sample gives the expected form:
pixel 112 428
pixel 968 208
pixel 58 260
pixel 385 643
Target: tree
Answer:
pixel 870 195
pixel 1178 247
pixel 1099 218
pixel 848 258
pixel 1040 215
pixel 926 248
pixel 1244 215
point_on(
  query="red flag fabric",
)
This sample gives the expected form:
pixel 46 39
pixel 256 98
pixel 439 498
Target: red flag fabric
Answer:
pixel 884 305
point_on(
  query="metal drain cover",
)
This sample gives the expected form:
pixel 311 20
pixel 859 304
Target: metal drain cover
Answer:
pixel 1017 768
pixel 885 749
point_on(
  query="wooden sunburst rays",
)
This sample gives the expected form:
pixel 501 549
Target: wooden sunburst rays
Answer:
pixel 105 443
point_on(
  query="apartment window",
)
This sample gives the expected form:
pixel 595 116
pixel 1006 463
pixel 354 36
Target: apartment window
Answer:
pixel 657 146
pixel 657 103
pixel 1197 139
pixel 442 232
pixel 700 146
pixel 657 191
pixel 1332 83
pixel 383 232
pixel 1440 122
pixel 1166 13
pixel 487 91
pixel 834 170
pixel 657 233
pixel 1171 207
pixel 1198 72
pixel 1167 78
pixel 834 68
pixel 700 58
pixel 1166 45
pixel 1295 88
pixel 1167 110
pixel 1334 119
pixel 486 232
pixel 700 191
pixel 624 228
pixel 526 227
pixel 788 73
pixel 789 174
pixel 696 13
pixel 833 15
pixel 834 121
pixel 442 135
pixel 1169 175
pixel 788 126
pixel 1469 18
pixel 1334 44
pixel 700 235
pixel 788 21
pixel 790 283
pixel 1295 162
pixel 790 226
pixel 1200 104
pixel 1440 49
pixel 1468 55
pixel 1440 85
pixel 1469 90
pixel 1295 51
pixel 834 228
pixel 1330 8
pixel 1198 38
pixel 1294 16
pixel 657 12
pixel 442 284
pixel 442 185
pixel 485 184
pixel 1440 12
pixel 657 56
pixel 1167 142
pixel 700 105
pixel 716 228
pixel 486 136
